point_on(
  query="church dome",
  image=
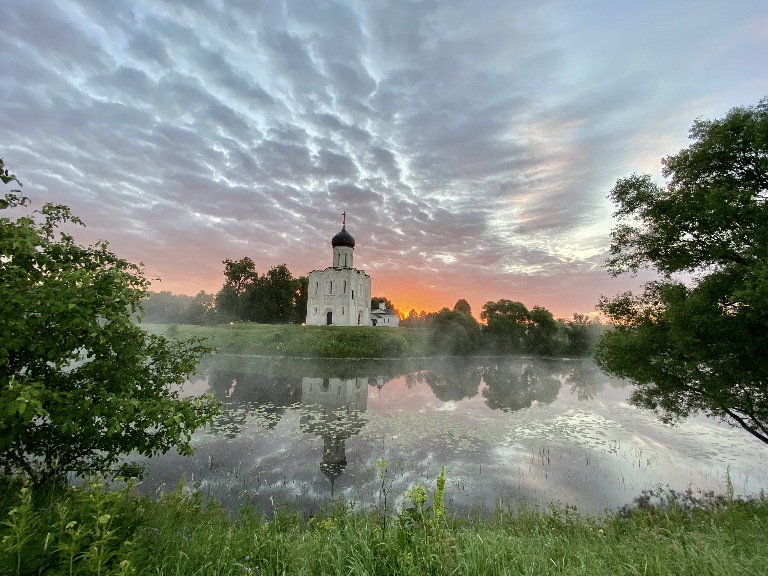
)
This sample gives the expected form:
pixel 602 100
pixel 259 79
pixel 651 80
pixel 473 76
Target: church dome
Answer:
pixel 343 238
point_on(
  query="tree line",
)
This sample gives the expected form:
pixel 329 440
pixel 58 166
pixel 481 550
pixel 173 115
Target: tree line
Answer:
pixel 276 297
pixel 508 328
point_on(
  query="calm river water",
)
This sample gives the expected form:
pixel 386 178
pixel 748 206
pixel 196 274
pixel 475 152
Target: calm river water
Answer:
pixel 300 432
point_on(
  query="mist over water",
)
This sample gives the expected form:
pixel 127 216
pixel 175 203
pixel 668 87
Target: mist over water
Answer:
pixel 301 432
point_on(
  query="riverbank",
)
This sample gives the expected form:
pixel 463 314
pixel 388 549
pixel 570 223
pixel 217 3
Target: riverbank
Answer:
pixel 92 530
pixel 295 341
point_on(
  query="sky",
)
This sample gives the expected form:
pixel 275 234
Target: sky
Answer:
pixel 472 144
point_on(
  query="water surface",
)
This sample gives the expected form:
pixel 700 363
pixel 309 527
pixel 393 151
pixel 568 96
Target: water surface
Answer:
pixel 300 432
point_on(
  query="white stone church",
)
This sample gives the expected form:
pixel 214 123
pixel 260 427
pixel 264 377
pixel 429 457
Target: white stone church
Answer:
pixel 339 295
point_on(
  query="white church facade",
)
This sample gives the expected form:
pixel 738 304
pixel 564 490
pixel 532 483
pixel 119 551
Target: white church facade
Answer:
pixel 339 295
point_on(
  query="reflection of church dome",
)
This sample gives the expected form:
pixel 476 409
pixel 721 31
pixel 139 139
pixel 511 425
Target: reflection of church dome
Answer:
pixel 334 460
pixel 343 238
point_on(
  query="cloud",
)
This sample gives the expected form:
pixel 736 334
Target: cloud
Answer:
pixel 472 145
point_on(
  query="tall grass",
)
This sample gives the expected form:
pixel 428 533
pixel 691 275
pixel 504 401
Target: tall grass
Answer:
pixel 90 530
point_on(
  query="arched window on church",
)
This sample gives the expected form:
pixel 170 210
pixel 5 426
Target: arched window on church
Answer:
pixel 345 286
pixel 330 287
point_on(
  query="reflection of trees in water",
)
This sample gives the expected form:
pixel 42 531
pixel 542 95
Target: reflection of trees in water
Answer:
pixel 243 393
pixel 333 408
pixel 584 380
pixel 587 380
pixel 512 387
pixel 452 379
pixel 262 390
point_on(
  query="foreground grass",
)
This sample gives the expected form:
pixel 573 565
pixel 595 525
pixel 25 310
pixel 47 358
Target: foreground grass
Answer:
pixel 94 531
pixel 296 341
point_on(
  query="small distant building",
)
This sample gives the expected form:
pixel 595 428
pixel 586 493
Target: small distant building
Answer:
pixel 341 294
pixel 383 316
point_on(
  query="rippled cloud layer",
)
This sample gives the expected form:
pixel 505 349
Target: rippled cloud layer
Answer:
pixel 472 144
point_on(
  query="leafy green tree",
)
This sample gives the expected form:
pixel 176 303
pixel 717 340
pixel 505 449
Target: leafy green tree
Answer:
pixel 80 382
pixel 227 303
pixel 581 333
pixel 697 342
pixel 239 274
pixel 453 333
pixel 414 319
pixel 541 336
pixel 506 325
pixel 270 299
pixel 462 306
pixel 201 309
pixel 300 297
pixel 230 301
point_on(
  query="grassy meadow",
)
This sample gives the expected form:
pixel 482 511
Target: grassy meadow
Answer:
pixel 297 341
pixel 93 530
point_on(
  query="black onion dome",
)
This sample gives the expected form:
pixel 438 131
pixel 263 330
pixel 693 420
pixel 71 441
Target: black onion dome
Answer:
pixel 343 238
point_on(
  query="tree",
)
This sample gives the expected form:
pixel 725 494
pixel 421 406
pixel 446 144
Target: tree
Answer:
pixel 80 382
pixel 506 325
pixel 200 309
pixel 239 274
pixel 270 299
pixel 376 300
pixel 462 306
pixel 414 319
pixel 164 307
pixel 581 333
pixel 227 303
pixel 453 333
pixel 300 296
pixel 542 331
pixel 695 340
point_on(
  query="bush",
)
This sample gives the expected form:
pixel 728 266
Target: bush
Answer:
pixel 80 383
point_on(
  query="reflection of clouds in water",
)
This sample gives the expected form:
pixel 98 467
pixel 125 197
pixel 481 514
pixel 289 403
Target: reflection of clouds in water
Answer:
pixel 449 407
pixel 501 427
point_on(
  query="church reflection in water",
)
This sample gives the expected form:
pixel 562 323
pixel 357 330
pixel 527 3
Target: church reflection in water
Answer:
pixel 334 409
pixel 331 402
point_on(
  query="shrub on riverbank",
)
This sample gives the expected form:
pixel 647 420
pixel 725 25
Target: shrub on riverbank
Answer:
pixel 91 530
